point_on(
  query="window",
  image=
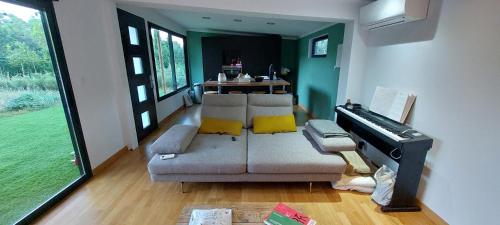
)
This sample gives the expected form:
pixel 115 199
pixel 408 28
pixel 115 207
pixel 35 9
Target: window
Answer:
pixel 141 93
pixel 169 56
pixel 137 65
pixel 179 60
pixel 134 38
pixel 319 46
pixel 145 119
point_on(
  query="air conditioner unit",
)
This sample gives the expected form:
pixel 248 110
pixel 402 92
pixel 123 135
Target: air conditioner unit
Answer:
pixel 384 13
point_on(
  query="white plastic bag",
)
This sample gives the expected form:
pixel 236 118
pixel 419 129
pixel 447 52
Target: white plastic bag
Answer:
pixel 187 100
pixel 356 183
pixel 385 179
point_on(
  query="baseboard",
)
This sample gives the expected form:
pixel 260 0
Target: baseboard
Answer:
pixel 99 169
pixel 431 214
pixel 172 115
pixel 309 114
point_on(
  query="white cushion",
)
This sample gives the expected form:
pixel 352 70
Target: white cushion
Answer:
pixel 175 140
pixel 289 153
pixel 231 107
pixel 268 105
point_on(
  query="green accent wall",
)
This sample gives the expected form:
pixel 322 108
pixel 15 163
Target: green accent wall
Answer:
pixel 317 78
pixel 195 56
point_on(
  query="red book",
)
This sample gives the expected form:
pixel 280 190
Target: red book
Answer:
pixel 293 214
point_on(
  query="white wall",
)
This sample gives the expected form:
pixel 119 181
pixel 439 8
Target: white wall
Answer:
pixel 452 62
pixel 352 64
pixel 91 40
pixel 88 62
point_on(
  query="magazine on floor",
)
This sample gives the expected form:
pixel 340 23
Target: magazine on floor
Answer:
pixel 211 217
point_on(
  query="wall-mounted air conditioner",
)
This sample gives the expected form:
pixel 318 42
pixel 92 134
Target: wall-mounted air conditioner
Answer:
pixel 384 13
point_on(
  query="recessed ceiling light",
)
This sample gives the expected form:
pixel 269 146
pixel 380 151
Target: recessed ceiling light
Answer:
pixel 270 23
pixel 237 20
pixel 206 17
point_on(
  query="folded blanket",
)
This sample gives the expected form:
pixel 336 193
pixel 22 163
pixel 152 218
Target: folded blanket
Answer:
pixel 331 144
pixel 328 128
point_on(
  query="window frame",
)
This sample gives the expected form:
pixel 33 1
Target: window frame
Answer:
pixel 313 46
pixel 57 55
pixel 186 63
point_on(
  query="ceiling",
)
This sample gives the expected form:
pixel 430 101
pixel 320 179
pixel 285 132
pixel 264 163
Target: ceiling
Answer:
pixel 234 22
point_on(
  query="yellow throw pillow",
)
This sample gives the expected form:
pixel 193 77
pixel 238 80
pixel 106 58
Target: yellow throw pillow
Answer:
pixel 274 124
pixel 220 126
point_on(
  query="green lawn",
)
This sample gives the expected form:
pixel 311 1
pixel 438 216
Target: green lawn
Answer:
pixel 35 160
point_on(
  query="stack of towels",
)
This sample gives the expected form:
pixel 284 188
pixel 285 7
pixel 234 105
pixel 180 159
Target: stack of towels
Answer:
pixel 329 136
pixel 332 138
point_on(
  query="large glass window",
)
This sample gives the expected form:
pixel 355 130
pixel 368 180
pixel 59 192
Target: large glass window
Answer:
pixel 42 154
pixel 168 49
pixel 179 60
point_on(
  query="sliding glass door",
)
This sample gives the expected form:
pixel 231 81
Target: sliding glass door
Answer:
pixel 42 151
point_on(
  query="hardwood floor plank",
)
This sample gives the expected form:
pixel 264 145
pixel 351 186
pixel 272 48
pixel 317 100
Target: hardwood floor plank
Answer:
pixel 122 193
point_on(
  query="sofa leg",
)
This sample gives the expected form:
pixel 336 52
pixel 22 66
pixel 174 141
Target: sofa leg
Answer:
pixel 310 187
pixel 182 187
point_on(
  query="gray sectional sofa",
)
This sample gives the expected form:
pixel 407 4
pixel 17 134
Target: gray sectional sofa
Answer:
pixel 278 157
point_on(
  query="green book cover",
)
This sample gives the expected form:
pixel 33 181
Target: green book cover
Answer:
pixel 278 219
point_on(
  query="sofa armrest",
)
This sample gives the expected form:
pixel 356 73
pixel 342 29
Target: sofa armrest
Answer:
pixel 175 140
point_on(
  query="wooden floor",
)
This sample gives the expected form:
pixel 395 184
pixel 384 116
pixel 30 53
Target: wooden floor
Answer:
pixel 122 193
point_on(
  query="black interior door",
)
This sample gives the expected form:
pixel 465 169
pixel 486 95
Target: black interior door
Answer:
pixel 135 49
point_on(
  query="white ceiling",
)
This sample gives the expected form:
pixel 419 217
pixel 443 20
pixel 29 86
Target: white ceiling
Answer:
pixel 225 22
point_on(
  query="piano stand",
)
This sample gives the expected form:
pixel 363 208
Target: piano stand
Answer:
pixel 384 134
pixel 400 208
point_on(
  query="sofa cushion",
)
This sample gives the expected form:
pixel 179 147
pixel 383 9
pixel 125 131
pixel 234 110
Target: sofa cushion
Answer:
pixel 220 126
pixel 207 154
pixel 174 140
pixel 268 105
pixel 230 107
pixel 274 124
pixel 289 153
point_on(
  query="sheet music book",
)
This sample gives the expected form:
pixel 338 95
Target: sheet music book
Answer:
pixel 392 103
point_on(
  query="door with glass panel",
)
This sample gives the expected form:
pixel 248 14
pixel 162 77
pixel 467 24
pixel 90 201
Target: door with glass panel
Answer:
pixel 42 151
pixel 135 49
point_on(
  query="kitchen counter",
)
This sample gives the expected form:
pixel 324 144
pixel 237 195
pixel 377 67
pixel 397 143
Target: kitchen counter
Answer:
pixel 269 83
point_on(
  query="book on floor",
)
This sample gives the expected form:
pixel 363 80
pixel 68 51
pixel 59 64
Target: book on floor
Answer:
pixel 278 219
pixel 284 215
